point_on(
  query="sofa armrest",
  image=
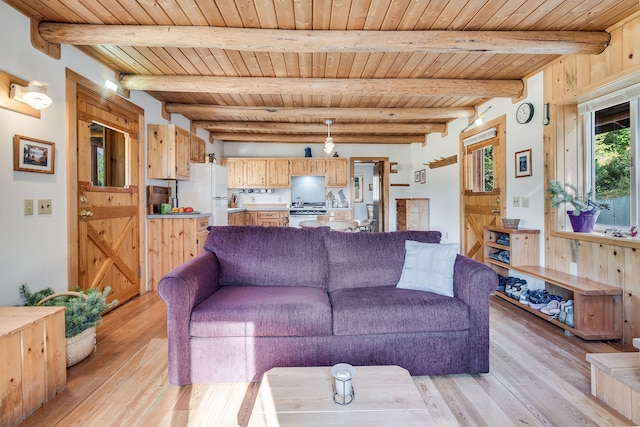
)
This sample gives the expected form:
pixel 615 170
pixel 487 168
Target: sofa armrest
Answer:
pixel 183 289
pixel 473 282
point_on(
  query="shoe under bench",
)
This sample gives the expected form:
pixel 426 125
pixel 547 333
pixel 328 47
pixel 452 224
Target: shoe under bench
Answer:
pixel 597 306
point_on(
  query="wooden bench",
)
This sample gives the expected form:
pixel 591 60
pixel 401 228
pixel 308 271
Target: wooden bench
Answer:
pixel 33 355
pixel 615 380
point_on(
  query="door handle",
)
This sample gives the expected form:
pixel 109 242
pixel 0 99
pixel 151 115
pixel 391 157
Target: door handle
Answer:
pixel 85 214
pixel 495 210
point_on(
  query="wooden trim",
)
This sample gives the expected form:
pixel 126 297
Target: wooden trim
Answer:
pixel 103 92
pixel 321 128
pixel 295 138
pixel 597 238
pixel 6 102
pixel 39 43
pixel 72 181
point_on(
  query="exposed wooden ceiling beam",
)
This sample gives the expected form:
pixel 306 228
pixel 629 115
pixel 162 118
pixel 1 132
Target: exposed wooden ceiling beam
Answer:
pixel 310 139
pixel 320 113
pixel 275 40
pixel 321 128
pixel 320 86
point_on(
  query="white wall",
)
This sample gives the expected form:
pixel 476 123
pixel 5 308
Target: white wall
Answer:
pixel 33 249
pixel 443 184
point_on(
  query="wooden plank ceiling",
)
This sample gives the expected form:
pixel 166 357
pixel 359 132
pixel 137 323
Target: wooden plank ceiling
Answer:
pixel 383 70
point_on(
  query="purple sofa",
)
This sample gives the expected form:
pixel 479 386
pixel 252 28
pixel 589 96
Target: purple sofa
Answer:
pixel 261 297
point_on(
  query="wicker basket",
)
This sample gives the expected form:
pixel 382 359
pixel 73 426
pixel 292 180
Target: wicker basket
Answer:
pixel 510 222
pixel 81 345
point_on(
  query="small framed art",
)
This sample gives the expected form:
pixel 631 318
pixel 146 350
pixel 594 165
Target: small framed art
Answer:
pixel 33 155
pixel 523 163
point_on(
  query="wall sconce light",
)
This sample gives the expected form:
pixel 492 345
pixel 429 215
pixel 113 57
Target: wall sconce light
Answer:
pixel 343 392
pixel 111 85
pixel 546 114
pixel 35 94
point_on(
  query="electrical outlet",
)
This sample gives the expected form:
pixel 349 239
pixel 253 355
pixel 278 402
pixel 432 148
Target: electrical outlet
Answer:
pixel 516 202
pixel 28 206
pixel 573 268
pixel 525 202
pixel 253 199
pixel 44 207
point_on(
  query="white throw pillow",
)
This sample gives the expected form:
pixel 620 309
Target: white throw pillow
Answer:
pixel 428 267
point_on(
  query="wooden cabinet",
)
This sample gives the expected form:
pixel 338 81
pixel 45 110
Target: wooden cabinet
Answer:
pixel 168 152
pixel 412 214
pixel 198 149
pixel 173 241
pixel 236 218
pixel 235 172
pixel 273 218
pixel 597 306
pixel 255 173
pixel 337 173
pixel 278 173
pixel 33 354
pixel 308 166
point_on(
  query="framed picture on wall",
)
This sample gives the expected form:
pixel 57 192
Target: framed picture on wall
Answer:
pixel 357 189
pixel 523 163
pixel 33 155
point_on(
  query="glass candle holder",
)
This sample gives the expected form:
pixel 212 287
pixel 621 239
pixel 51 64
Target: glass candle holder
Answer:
pixel 343 392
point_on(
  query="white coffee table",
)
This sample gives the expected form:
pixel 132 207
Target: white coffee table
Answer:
pixel 384 396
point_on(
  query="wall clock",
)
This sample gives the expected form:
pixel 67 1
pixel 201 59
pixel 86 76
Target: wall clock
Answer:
pixel 524 114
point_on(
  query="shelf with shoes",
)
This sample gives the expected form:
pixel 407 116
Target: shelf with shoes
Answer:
pixel 597 306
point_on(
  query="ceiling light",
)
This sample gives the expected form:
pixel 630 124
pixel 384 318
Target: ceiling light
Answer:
pixel 35 95
pixel 328 143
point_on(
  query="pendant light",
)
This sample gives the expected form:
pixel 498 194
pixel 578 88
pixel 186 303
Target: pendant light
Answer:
pixel 328 143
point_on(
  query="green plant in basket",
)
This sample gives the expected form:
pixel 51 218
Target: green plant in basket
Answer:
pixel 83 309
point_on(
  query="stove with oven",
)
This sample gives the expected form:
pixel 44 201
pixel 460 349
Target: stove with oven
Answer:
pixel 305 212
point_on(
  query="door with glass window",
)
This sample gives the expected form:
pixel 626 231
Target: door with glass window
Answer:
pixel 483 184
pixel 108 200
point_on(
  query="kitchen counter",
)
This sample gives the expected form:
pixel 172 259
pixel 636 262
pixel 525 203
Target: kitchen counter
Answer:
pixel 179 215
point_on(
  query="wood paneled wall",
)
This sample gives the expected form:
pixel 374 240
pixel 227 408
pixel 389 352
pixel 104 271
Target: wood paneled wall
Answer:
pixel 616 262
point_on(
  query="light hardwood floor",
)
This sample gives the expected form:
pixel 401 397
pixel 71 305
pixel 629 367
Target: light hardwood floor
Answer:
pixel 539 377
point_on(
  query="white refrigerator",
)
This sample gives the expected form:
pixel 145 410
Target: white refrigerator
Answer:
pixel 206 191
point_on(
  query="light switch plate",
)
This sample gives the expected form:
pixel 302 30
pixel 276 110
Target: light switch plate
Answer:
pixel 44 207
pixel 28 206
pixel 525 202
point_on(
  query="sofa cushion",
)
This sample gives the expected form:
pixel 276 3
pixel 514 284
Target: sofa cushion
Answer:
pixel 388 310
pixel 269 256
pixel 369 259
pixel 428 267
pixel 263 311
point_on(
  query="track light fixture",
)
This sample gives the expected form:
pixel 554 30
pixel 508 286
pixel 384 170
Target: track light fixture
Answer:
pixel 35 94
pixel 477 121
pixel 328 143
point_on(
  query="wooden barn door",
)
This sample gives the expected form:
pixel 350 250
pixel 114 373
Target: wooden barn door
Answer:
pixel 483 183
pixel 107 208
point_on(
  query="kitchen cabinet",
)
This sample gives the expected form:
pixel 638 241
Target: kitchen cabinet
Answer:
pixel 236 218
pixel 278 175
pixel 198 149
pixel 412 214
pixel 308 166
pixel 255 173
pixel 337 173
pixel 273 218
pixel 235 172
pixel 174 241
pixel 168 152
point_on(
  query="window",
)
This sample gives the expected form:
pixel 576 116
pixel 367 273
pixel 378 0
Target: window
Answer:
pixel 611 134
